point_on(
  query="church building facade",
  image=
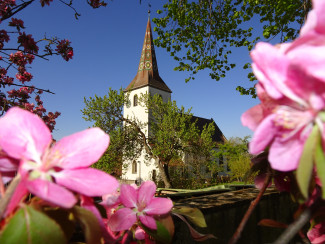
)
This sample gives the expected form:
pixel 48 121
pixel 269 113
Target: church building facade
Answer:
pixel 148 81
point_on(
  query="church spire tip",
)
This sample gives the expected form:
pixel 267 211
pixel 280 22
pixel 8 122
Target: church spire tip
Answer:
pixel 149 7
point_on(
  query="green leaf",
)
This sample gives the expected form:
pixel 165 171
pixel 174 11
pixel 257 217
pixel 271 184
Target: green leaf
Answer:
pixel 197 236
pixel 305 167
pixel 320 165
pixel 161 235
pixel 194 215
pixel 32 227
pixel 89 224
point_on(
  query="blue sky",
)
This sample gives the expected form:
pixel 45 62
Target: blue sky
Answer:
pixel 107 45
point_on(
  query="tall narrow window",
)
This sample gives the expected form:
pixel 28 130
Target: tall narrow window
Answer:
pixel 135 100
pixel 134 167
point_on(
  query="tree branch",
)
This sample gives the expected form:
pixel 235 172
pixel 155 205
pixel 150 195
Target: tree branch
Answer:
pixel 296 226
pixel 250 210
pixel 16 10
pixel 39 89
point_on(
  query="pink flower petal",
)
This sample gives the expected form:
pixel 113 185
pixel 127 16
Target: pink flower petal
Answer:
pixel 123 219
pixel 7 176
pixel 269 69
pixel 259 181
pixel 51 192
pixel 315 20
pixel 139 233
pixel 128 196
pixel 148 221
pixel 81 149
pixel 23 134
pixel 8 164
pixel 18 195
pixel 252 117
pixel 285 155
pixel 310 60
pixel 317 234
pixel 90 182
pixel 159 205
pixel 146 192
pixel 88 203
pixel 263 135
pixel 110 200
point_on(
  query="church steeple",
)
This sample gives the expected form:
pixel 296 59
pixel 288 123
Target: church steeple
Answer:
pixel 148 74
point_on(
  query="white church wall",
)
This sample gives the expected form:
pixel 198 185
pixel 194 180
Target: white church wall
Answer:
pixel 145 168
pixel 138 111
pixel 166 96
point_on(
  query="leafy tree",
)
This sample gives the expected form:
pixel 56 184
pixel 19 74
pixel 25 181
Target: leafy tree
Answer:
pixel 201 34
pixel 107 113
pixel 172 131
pixel 235 151
pixel 17 55
pixel 174 134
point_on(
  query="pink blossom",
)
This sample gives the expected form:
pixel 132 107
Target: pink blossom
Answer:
pixel 28 42
pixel 18 23
pixel 316 234
pixel 47 170
pixel 315 23
pixel 47 2
pixel 8 167
pixel 291 89
pixel 97 3
pixel 139 204
pixel 139 233
pixel 4 37
pixel 65 49
pixel 88 203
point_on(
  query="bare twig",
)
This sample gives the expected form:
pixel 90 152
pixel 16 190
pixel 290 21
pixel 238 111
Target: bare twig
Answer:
pixel 250 210
pixel 296 226
pixel 39 89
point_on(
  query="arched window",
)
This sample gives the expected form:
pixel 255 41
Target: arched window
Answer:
pixel 135 100
pixel 134 167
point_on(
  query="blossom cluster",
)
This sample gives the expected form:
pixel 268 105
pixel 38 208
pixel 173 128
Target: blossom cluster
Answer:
pixel 25 52
pixel 59 173
pixel 136 205
pixel 289 122
pixel 291 89
pixel 97 3
pixel 21 56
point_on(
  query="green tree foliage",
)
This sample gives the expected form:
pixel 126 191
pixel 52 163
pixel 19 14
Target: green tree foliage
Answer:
pixel 201 34
pixel 172 133
pixel 235 152
pixel 107 113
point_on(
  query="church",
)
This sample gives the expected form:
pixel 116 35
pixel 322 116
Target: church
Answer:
pixel 148 80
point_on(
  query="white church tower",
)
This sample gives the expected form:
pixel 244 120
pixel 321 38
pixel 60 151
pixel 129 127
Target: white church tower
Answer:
pixel 147 80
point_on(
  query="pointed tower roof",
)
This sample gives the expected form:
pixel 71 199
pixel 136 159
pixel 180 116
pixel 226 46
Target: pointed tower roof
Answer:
pixel 148 74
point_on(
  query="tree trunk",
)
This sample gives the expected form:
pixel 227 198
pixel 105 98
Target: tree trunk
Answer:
pixel 164 174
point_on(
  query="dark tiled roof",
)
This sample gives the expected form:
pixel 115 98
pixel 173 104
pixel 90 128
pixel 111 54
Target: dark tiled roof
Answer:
pixel 201 122
pixel 148 74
